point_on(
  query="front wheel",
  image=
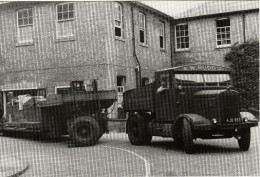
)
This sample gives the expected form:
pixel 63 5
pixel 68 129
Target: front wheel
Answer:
pixel 137 131
pixel 244 141
pixel 187 136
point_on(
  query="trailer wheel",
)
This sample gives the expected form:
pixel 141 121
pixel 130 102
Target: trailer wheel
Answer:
pixel 85 131
pixel 187 136
pixel 137 131
pixel 244 141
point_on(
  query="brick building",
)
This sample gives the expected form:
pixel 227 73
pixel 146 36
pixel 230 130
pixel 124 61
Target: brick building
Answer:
pixel 205 33
pixel 45 45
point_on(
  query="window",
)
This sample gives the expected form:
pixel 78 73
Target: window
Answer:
pixel 182 37
pixel 65 19
pixel 25 25
pixel 63 90
pixel 162 33
pixel 165 78
pixel 145 81
pixel 121 80
pixel 203 79
pixel 223 32
pixel 142 27
pixel 118 19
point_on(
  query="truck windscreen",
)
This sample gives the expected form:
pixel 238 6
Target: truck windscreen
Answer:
pixel 202 79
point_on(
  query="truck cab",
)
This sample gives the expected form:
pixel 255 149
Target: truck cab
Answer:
pixel 186 103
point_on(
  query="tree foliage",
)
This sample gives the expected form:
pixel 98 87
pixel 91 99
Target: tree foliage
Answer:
pixel 244 60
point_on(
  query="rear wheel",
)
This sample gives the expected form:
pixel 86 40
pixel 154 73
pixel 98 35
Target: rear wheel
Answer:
pixel 137 130
pixel 187 136
pixel 244 141
pixel 85 131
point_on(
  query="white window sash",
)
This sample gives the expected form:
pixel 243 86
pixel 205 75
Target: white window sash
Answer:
pixel 142 21
pixel 225 32
pixel 62 4
pixel 181 37
pixel 119 15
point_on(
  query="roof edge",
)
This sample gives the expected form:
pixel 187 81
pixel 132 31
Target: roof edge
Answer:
pixel 215 14
pixel 152 9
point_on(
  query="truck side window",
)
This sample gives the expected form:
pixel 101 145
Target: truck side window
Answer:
pixel 164 83
pixel 164 80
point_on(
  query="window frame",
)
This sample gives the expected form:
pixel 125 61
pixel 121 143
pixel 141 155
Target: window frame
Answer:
pixel 225 33
pixel 17 14
pixel 164 43
pixel 176 43
pixel 61 87
pixel 121 83
pixel 67 37
pixel 143 28
pixel 20 42
pixel 57 12
pixel 120 20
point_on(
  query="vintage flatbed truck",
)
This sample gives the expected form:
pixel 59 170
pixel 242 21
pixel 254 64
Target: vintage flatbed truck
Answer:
pixel 81 114
pixel 185 103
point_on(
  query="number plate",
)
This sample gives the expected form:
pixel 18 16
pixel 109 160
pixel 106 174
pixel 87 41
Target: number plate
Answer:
pixel 233 120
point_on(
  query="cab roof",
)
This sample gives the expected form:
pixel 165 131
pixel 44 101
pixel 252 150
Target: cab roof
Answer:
pixel 198 68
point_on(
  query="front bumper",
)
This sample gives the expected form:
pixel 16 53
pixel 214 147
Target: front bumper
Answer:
pixel 225 126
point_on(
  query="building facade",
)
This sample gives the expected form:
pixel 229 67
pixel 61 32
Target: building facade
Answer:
pixel 206 33
pixel 45 45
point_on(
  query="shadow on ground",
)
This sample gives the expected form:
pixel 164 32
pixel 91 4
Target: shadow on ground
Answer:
pixel 200 147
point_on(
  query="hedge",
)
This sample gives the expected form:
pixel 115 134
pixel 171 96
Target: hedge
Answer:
pixel 244 60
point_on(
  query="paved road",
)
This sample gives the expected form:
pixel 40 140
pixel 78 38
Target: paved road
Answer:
pixel 114 156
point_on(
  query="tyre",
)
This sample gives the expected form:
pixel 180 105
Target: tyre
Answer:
pixel 137 130
pixel 85 131
pixel 177 136
pixel 244 141
pixel 187 136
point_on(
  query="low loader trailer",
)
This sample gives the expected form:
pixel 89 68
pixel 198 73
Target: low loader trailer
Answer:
pixel 81 114
pixel 186 103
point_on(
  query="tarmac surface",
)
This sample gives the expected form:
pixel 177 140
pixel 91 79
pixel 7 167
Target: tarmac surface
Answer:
pixel 115 156
pixel 11 166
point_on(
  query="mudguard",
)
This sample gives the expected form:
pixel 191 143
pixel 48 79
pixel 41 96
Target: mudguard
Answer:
pixel 250 117
pixel 197 121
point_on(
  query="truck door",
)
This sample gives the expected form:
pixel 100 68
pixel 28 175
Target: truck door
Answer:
pixel 163 97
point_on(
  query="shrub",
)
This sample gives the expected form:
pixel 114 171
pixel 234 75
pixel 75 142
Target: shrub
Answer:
pixel 244 60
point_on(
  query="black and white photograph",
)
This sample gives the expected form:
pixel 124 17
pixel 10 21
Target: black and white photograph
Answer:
pixel 129 88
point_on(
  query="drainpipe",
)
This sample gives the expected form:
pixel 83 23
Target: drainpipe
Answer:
pixel 138 66
pixel 244 27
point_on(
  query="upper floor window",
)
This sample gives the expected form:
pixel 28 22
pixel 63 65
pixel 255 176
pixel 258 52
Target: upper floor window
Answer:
pixel 118 19
pixel 223 32
pixel 162 33
pixel 142 27
pixel 65 11
pixel 65 19
pixel 182 37
pixel 25 25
